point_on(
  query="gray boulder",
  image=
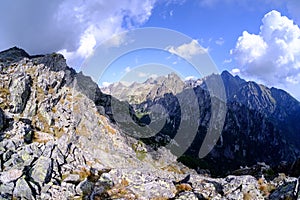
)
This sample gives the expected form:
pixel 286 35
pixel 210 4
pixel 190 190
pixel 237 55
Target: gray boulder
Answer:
pixel 20 91
pixel 285 191
pixel 6 190
pixel 10 175
pixel 41 172
pixel 22 190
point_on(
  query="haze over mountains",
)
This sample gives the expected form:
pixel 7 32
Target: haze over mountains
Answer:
pixel 61 137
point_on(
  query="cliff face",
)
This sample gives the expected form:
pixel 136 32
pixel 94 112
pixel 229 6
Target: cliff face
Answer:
pixel 58 140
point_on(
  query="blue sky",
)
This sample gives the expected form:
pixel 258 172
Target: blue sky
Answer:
pixel 217 26
pixel 256 39
pixel 208 24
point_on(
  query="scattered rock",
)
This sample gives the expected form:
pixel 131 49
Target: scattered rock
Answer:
pixel 10 175
pixel 85 188
pixel 7 189
pixel 42 170
pixel 285 191
pixel 72 178
pixel 22 190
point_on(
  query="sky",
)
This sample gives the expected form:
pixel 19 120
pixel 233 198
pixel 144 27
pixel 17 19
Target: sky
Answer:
pixel 258 40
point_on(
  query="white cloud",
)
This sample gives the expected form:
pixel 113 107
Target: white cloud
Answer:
pixel 188 50
pixel 220 41
pixel 235 71
pixel 273 55
pixel 106 84
pixel 127 69
pixel 190 78
pixel 249 48
pixel 73 28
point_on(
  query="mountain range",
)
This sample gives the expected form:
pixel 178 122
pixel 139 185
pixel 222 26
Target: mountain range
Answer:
pixel 260 123
pixel 62 137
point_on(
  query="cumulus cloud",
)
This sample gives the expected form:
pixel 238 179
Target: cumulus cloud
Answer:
pixel 273 55
pixel 188 50
pixel 73 28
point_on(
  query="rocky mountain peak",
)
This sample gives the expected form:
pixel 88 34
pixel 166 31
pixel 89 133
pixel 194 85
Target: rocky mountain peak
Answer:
pixel 150 89
pixel 13 54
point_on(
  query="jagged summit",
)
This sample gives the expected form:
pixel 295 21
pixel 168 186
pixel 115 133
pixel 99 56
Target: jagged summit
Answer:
pixel 13 54
pixel 152 88
pixel 15 51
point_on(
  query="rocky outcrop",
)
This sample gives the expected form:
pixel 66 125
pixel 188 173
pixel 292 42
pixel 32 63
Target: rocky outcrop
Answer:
pixel 19 92
pixel 11 55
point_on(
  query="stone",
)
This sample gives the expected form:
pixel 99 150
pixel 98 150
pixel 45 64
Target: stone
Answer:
pixel 10 175
pixel 2 120
pixel 41 171
pixel 58 155
pixel 48 149
pixel 19 91
pixel 22 189
pixel 187 196
pixel 285 191
pixel 72 178
pixel 7 188
pixel 85 188
pixel 27 157
pixel 14 161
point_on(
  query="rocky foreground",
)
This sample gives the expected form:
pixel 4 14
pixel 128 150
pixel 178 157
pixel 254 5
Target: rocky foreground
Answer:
pixel 57 142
